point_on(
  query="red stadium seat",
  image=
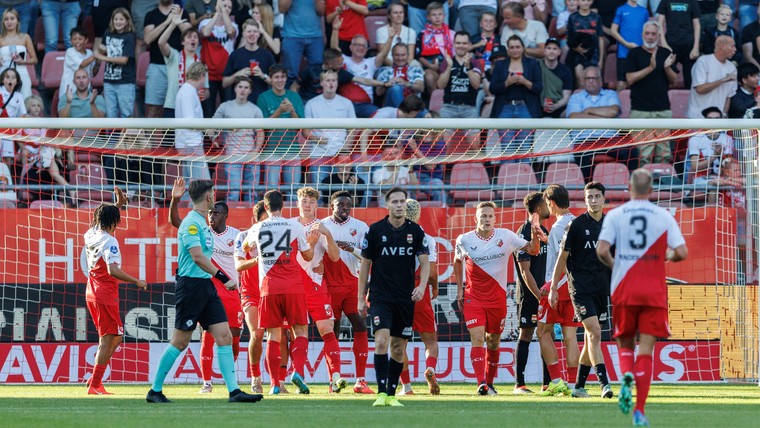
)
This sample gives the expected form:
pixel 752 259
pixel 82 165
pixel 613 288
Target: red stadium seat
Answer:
pixel 613 174
pixel 625 103
pixel 54 104
pixel 610 70
pixel 7 203
pixel 33 76
pixel 431 204
pixel 662 170
pixel 46 203
pixel 436 100
pixel 679 102
pixel 553 28
pixel 52 69
pixel 39 36
pixel 372 23
pixel 567 174
pixel 91 174
pixel 142 68
pixel 514 174
pixel 470 174
pixel 97 80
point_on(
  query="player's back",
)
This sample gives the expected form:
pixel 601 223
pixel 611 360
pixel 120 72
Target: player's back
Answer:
pixel 278 240
pixel 641 232
pixel 101 249
pixel 345 272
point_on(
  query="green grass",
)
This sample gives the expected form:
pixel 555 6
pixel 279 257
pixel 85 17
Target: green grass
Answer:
pixel 457 406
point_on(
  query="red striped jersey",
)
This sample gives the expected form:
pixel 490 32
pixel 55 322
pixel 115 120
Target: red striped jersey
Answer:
pixel 345 272
pixel 319 251
pixel 101 249
pixel 249 279
pixel 223 255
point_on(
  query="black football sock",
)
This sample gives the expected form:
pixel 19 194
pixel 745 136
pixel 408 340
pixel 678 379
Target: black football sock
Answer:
pixel 381 372
pixel 523 348
pixel 601 373
pixel 547 376
pixel 394 372
pixel 583 371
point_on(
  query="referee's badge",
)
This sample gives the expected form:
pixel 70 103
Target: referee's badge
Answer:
pixel 409 238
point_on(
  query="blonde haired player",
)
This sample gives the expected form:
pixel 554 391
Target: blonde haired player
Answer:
pixel 104 272
pixel 424 316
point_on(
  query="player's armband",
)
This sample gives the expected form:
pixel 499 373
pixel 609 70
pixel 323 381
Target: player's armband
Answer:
pixel 221 276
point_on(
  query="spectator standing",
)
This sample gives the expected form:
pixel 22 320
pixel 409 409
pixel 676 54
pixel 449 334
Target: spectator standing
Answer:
pixel 118 55
pixel 682 32
pixel 748 13
pixel 713 79
pixel 198 10
pixel 101 16
pixel 484 41
pixel 59 16
pixel 271 38
pixel 723 16
pixel 139 10
pixel 249 60
pixel 747 79
pixel 585 38
pixel 471 12
pixel 607 10
pixel 301 34
pixel 435 38
pixel 532 33
pixel 77 56
pixel 557 80
pixel 189 142
pixel 178 62
pixel 218 35
pixel 396 26
pixel 627 28
pixel 25 14
pixel 751 42
pixel 16 50
pixel 417 11
pixel 352 13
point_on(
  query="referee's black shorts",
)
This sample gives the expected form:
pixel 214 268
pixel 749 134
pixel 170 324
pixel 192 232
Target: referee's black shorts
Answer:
pixel 527 307
pixel 397 317
pixel 589 305
pixel 197 301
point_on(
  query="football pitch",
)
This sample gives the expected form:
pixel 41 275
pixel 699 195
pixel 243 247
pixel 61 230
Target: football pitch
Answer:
pixel 702 405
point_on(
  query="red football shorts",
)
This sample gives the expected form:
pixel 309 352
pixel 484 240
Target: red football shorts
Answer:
pixel 249 295
pixel 231 302
pixel 424 317
pixel 319 303
pixel 344 300
pixel 491 318
pixel 563 315
pixel 276 309
pixel 629 320
pixel 106 318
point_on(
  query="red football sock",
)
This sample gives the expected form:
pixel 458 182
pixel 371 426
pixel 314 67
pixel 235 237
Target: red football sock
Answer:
pixel 283 372
pixel 554 371
pixel 643 376
pixel 405 379
pixel 97 375
pixel 626 360
pixel 273 362
pixel 572 374
pixel 299 350
pixel 255 369
pixel 361 349
pixel 207 355
pixel 235 347
pixel 431 362
pixel 332 352
pixel 493 365
pixel 478 358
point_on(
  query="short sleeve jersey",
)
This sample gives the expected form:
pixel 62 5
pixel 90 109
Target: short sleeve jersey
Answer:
pixel 101 249
pixel 587 275
pixel 278 241
pixel 641 233
pixel 432 258
pixel 249 279
pixel 223 256
pixel 554 246
pixel 393 252
pixel 537 263
pixel 344 274
pixel 193 232
pixel 311 277
pixel 486 261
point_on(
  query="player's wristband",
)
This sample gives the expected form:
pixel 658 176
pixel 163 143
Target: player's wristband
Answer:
pixel 221 276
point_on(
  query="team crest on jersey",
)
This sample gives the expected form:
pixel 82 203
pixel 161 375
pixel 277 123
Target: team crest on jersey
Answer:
pixel 328 311
pixel 385 239
pixel 499 243
pixel 230 242
pixel 114 249
pixel 193 230
pixel 409 238
pixel 587 232
pixel 352 231
pixel 376 320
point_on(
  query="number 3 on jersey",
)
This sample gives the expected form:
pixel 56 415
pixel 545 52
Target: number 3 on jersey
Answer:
pixel 639 225
pixel 267 237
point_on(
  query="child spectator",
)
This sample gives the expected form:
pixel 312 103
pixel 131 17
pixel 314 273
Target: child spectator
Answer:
pixel 12 106
pixel 431 41
pixel 723 16
pixel 218 35
pixel 77 56
pixel 627 27
pixel 584 37
pixel 571 6
pixel 118 54
pixel 484 42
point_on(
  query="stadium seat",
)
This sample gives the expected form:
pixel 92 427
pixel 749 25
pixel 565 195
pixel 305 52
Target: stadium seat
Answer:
pixel 54 104
pixel 567 174
pixel 88 205
pixel 39 36
pixel 89 28
pixel 97 80
pixel 553 28
pixel 613 174
pixel 171 172
pixel 33 76
pixel 662 170
pixel 91 174
pixel 7 203
pixel 625 103
pixel 220 179
pixel 46 203
pixel 610 71
pixel 431 204
pixel 240 204
pixel 679 102
pixel 142 69
pixel 436 100
pixel 52 69
pixel 512 175
pixel 470 174
pixel 372 23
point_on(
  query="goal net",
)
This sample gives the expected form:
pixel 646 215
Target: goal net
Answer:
pixel 63 169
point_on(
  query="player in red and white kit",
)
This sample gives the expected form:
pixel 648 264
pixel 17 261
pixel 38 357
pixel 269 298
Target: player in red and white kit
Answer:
pixel 342 278
pixel 102 295
pixel 223 259
pixel 558 200
pixel 278 241
pixel 424 316
pixel 645 236
pixel 246 263
pixel 318 300
pixel 485 252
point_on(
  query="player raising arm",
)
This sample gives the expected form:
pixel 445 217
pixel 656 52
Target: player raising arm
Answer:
pixel 645 236
pixel 485 254
pixel 104 272
pixel 390 251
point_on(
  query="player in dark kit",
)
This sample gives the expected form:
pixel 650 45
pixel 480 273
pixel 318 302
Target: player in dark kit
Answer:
pixel 390 250
pixel 589 282
pixel 531 269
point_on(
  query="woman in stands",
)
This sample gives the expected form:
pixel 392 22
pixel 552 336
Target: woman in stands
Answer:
pixel 396 26
pixel 16 50
pixel 271 39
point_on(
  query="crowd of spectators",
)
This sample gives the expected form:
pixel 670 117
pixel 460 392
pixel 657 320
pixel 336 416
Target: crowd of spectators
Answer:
pixel 321 59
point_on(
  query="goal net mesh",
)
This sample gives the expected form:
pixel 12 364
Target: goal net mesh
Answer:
pixel 53 179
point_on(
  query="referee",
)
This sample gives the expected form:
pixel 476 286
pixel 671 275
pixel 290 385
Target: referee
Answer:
pixel 589 282
pixel 390 249
pixel 196 299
